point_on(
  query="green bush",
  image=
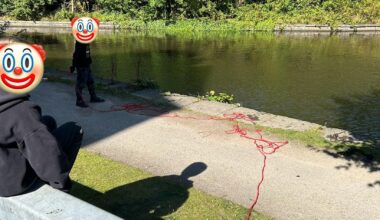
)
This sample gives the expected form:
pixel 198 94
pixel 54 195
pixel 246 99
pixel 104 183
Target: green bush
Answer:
pixel 221 97
pixel 121 6
pixel 6 6
pixel 202 14
pixel 167 9
pixel 63 15
pixel 25 9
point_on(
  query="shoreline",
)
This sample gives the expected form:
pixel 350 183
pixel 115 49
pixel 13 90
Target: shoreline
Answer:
pixel 362 28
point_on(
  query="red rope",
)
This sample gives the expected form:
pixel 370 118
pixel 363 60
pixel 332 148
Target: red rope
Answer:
pixel 261 145
pixel 264 146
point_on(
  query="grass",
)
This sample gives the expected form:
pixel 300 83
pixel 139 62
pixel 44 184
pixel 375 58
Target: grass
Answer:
pixel 365 154
pixel 134 194
pixel 314 138
pixel 311 137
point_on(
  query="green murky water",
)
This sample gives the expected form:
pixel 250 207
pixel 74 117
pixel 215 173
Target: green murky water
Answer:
pixel 327 79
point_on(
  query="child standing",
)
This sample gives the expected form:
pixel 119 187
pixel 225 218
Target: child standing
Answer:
pixel 82 61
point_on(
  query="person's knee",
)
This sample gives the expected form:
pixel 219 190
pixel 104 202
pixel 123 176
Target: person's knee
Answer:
pixel 81 80
pixel 80 84
pixel 73 129
pixel 90 80
pixel 77 130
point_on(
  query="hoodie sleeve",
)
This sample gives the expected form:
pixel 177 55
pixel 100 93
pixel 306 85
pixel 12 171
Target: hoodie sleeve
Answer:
pixel 74 61
pixel 75 57
pixel 42 150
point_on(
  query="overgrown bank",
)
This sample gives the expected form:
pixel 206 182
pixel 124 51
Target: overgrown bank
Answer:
pixel 200 15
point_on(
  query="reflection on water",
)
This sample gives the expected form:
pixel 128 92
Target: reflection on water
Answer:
pixel 320 78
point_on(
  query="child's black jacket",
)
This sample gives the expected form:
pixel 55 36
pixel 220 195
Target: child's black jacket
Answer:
pixel 82 55
pixel 28 151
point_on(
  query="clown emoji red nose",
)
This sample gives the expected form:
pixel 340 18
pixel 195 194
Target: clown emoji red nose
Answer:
pixel 17 71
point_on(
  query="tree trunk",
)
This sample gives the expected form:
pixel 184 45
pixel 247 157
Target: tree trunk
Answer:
pixel 239 3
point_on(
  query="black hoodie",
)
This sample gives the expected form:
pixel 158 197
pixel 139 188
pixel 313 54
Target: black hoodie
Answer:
pixel 81 55
pixel 28 151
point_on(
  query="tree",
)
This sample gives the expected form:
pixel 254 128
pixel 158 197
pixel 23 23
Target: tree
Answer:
pixel 239 3
pixel 28 9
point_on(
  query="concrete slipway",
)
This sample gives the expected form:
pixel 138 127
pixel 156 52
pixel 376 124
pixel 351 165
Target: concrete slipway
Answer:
pixel 299 183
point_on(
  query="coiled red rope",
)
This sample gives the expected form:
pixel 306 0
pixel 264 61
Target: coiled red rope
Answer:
pixel 264 146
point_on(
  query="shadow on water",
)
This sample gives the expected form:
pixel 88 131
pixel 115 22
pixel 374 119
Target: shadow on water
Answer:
pixel 150 198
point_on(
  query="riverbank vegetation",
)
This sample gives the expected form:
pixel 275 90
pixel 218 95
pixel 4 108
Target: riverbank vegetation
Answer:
pixel 200 14
pixel 220 97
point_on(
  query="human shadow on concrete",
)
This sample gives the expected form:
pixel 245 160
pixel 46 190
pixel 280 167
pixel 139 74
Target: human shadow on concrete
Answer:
pixel 150 198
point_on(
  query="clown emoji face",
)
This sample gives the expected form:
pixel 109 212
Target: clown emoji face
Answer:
pixel 22 67
pixel 85 29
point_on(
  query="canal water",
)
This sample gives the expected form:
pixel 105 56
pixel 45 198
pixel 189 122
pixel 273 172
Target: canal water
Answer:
pixel 332 80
